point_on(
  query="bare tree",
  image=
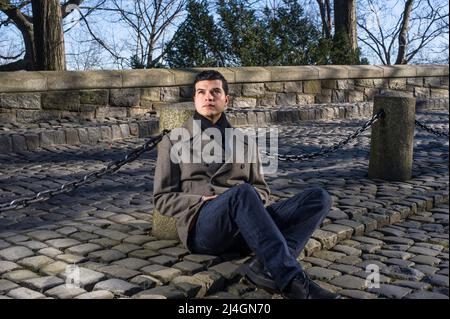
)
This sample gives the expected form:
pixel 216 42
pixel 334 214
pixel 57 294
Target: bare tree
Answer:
pixel 148 21
pixel 420 24
pixel 20 15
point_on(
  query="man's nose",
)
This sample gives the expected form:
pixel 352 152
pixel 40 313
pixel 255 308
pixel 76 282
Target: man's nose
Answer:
pixel 208 96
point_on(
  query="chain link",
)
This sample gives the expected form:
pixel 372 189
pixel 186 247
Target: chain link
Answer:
pixel 430 130
pixel 341 144
pixel 111 168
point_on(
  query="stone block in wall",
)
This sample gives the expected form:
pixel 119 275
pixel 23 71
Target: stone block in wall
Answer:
pixel 370 93
pixel 306 114
pixel 31 116
pixel 273 116
pixel 31 101
pixel 32 141
pixel 355 96
pixel 293 115
pixel 137 111
pixel 116 132
pixel 235 89
pixel 417 81
pixel 231 119
pixel 63 80
pixel 432 82
pixel 87 108
pixel 444 81
pixel 111 112
pixel 96 97
pixel 329 84
pixel 125 130
pixel 389 91
pixel 276 87
pixel 312 87
pixel 251 118
pixel 305 99
pixel 7 115
pixel 364 82
pixel 345 84
pixel 436 93
pixel 170 94
pixel 5 144
pixel 338 96
pixel 83 135
pixel 60 137
pixel 421 92
pixel 267 100
pixel 124 97
pixel 187 91
pixel 241 119
pixel 106 133
pixel 381 83
pixel 64 101
pixel 286 99
pixel 328 113
pixel 397 84
pixel 72 136
pixel 147 77
pixel 143 129
pixel 150 94
pixel 134 129
pixel 322 99
pixel 293 87
pixel 86 115
pixel 94 134
pixel 253 89
pixel 244 102
pixel 18 143
pixel 47 138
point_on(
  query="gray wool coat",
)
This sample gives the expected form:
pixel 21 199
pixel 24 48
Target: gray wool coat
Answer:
pixel 179 187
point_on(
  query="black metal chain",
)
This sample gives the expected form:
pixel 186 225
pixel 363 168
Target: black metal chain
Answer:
pixel 431 130
pixel 111 168
pixel 302 157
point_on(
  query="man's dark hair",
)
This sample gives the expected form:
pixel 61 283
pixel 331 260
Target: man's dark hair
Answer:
pixel 211 75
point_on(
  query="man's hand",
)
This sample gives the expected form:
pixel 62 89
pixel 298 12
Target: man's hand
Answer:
pixel 205 198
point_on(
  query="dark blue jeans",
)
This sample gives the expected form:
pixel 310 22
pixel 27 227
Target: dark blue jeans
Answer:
pixel 237 220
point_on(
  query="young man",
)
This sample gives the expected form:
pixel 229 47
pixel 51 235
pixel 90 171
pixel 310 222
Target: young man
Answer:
pixel 220 207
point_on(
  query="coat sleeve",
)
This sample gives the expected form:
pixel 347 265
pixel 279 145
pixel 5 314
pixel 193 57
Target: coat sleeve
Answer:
pixel 169 200
pixel 257 179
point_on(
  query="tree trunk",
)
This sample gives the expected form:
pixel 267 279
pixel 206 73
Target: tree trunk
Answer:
pixel 325 15
pixel 403 35
pixel 345 20
pixel 23 23
pixel 48 35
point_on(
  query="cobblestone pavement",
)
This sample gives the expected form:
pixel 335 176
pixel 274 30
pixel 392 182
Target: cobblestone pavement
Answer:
pixel 104 228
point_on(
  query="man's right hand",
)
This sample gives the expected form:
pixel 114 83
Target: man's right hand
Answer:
pixel 205 198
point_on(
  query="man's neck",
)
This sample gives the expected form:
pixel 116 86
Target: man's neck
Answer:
pixel 213 118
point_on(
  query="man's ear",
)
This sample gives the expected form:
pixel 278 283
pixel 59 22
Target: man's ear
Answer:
pixel 227 100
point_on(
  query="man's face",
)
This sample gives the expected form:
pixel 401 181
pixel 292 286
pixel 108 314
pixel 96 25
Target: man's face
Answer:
pixel 210 99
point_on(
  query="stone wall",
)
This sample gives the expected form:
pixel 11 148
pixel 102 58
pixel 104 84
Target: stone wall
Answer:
pixel 37 96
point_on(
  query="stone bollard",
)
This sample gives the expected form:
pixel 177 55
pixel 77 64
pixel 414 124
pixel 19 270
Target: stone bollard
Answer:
pixel 391 147
pixel 171 116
